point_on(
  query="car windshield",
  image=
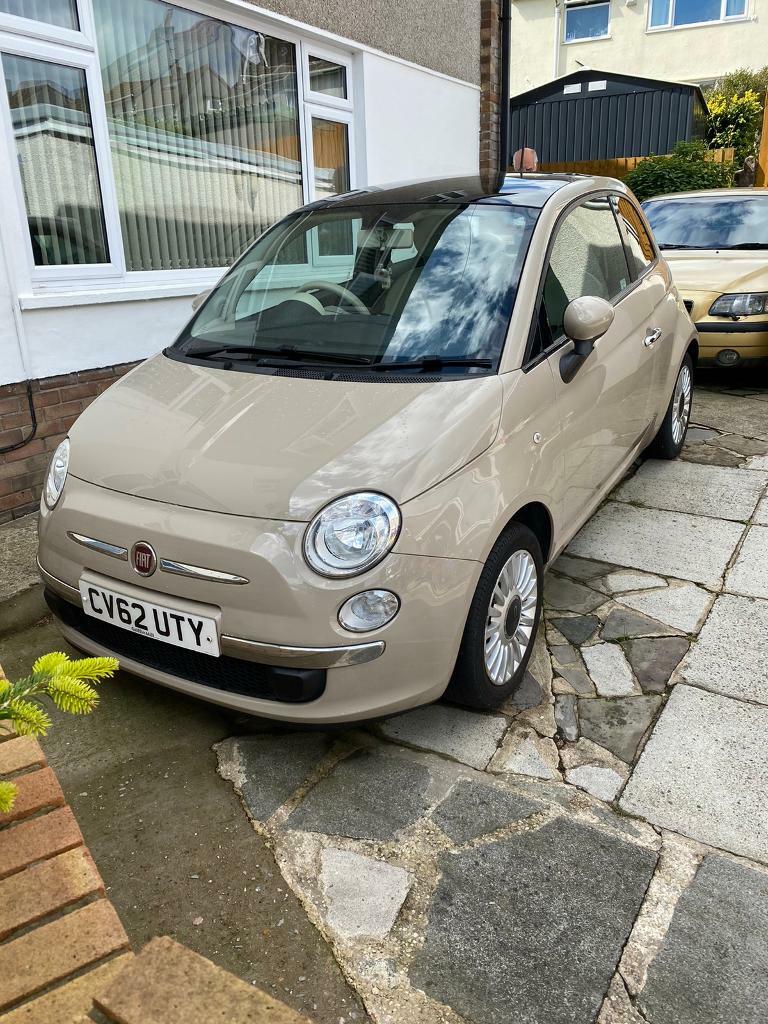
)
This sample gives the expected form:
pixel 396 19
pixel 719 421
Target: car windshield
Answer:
pixel 373 286
pixel 709 222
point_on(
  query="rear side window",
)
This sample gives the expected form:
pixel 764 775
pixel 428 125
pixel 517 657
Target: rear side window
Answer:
pixel 587 258
pixel 640 250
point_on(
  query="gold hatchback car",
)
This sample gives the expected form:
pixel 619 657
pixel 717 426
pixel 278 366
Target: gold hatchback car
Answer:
pixel 334 495
pixel 716 243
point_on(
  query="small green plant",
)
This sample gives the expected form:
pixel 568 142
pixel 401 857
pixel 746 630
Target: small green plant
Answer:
pixel 67 683
pixel 687 169
pixel 735 121
pixel 739 81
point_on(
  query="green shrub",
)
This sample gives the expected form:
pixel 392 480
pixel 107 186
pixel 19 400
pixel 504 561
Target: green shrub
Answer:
pixel 737 82
pixel 686 170
pixel 735 121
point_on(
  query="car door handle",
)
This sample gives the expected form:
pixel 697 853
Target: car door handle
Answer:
pixel 652 336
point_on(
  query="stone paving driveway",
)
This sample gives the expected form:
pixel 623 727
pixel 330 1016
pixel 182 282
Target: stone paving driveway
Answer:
pixel 597 850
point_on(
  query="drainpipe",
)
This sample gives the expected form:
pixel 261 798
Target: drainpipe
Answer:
pixel 505 19
pixel 556 42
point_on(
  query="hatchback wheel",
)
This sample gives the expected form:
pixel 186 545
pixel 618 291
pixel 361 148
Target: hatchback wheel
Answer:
pixel 502 622
pixel 669 441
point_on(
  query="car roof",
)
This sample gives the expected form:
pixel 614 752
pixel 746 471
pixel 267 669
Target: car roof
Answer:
pixel 710 193
pixel 531 190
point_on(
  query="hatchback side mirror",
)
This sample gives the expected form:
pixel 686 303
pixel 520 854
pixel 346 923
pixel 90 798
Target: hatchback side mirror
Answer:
pixel 586 319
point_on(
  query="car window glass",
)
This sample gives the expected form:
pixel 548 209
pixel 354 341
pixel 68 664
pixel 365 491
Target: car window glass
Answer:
pixel 587 258
pixel 640 249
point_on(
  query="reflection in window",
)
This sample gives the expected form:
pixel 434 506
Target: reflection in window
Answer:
pixel 203 124
pixel 672 13
pixel 327 78
pixel 54 12
pixel 330 146
pixel 640 248
pixel 54 142
pixel 710 223
pixel 586 21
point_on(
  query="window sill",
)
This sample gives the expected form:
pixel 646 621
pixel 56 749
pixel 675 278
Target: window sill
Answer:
pixel 586 39
pixel 130 293
pixel 697 24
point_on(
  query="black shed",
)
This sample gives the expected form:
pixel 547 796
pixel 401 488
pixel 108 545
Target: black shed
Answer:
pixel 599 115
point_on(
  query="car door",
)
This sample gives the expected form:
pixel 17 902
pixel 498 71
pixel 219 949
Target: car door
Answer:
pixel 603 409
pixel 655 299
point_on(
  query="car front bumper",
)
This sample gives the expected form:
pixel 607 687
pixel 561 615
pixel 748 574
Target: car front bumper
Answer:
pixel 749 339
pixel 284 654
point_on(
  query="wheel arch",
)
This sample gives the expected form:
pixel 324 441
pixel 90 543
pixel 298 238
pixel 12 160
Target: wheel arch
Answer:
pixel 536 516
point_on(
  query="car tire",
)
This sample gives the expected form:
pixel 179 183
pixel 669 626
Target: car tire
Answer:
pixel 505 612
pixel 670 438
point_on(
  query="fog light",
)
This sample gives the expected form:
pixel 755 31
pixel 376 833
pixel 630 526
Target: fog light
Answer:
pixel 369 610
pixel 728 357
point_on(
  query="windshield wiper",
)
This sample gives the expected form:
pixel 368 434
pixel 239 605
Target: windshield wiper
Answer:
pixel 674 245
pixel 282 352
pixel 746 245
pixel 432 363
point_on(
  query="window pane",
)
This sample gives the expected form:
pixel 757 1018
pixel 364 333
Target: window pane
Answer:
pixel 54 12
pixel 733 8
pixel 330 146
pixel 660 10
pixel 587 259
pixel 689 12
pixel 54 142
pixel 328 78
pixel 640 247
pixel 203 122
pixel 588 22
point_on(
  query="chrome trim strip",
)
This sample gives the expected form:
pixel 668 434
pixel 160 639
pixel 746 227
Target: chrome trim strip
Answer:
pixel 300 657
pixel 254 650
pixel 196 572
pixel 102 546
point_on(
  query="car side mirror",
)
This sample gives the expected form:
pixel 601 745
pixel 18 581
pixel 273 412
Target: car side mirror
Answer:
pixel 200 299
pixel 586 319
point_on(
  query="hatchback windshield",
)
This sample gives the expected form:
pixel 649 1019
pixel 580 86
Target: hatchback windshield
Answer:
pixel 419 286
pixel 711 222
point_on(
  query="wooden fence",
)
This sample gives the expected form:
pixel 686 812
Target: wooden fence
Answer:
pixel 621 166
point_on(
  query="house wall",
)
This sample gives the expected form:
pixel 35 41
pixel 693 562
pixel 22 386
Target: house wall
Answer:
pixel 688 54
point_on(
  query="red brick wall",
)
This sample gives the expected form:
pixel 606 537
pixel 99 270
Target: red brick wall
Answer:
pixel 58 402
pixel 490 74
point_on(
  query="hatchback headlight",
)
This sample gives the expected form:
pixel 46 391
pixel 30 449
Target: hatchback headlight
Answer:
pixel 352 534
pixel 57 474
pixel 740 304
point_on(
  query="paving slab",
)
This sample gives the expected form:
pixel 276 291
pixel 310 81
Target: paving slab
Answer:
pixel 710 456
pixel 577 628
pixel 761 513
pixel 698 435
pixel 759 462
pixel 565 595
pixel 524 752
pixel 704 772
pixel 688 487
pixel 749 574
pixel 566 716
pixel 367 796
pixel 463 735
pixel 609 670
pixel 623 622
pixel 653 660
pixel 363 895
pixel 731 654
pixel 598 780
pixel 742 445
pixel 621 582
pixel 731 414
pixel 683 607
pixel 580 568
pixel 675 544
pixel 618 724
pixel 507 931
pixel 713 965
pixel 268 769
pixel 474 809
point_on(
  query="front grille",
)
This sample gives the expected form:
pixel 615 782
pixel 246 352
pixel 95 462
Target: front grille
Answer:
pixel 231 675
pixel 688 303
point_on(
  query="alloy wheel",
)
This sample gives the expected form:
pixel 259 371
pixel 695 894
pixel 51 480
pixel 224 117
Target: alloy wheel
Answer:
pixel 511 616
pixel 681 403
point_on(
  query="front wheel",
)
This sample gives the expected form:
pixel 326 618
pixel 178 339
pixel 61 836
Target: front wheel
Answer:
pixel 669 441
pixel 502 622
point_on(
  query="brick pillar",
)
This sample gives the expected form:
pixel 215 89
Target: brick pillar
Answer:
pixel 490 85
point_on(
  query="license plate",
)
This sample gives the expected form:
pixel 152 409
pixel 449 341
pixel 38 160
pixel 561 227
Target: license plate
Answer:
pixel 157 621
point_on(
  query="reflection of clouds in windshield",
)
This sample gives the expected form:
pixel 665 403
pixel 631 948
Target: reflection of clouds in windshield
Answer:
pixel 710 223
pixel 463 297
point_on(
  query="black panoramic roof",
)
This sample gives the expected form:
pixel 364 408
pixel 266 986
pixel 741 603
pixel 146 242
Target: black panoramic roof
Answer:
pixel 513 190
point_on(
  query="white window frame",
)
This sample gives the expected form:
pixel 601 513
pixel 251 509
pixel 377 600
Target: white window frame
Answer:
pixel 724 19
pixel 25 37
pixel 586 39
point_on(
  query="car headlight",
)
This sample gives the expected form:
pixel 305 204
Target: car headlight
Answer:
pixel 352 534
pixel 57 474
pixel 740 304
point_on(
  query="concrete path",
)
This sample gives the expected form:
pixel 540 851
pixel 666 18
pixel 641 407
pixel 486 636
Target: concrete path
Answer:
pixel 595 851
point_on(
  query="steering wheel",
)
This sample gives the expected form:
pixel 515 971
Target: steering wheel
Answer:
pixel 337 289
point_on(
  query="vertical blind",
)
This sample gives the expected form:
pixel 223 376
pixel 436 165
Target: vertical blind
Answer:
pixel 203 120
pixel 54 142
pixel 55 12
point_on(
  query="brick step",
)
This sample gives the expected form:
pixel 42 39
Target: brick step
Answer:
pixel 71 1002
pixel 169 984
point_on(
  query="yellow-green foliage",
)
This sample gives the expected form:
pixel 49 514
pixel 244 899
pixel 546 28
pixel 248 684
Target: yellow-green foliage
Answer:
pixel 735 121
pixel 67 683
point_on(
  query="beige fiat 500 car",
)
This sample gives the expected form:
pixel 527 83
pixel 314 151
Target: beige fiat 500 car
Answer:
pixel 334 495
